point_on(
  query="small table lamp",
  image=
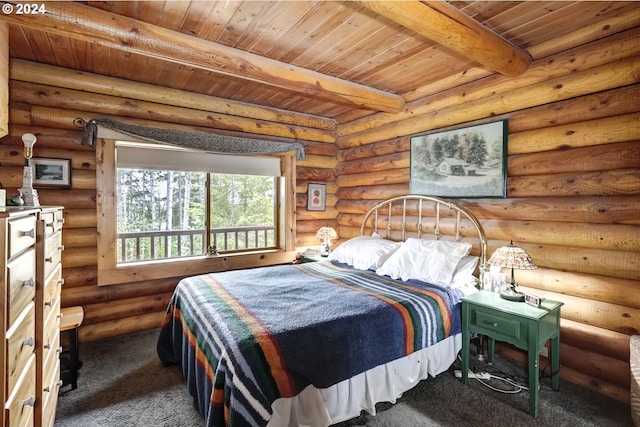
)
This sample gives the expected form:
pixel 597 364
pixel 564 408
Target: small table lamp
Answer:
pixel 512 257
pixel 327 234
pixel 29 195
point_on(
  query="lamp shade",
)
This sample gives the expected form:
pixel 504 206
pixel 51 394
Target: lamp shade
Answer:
pixel 512 257
pixel 327 233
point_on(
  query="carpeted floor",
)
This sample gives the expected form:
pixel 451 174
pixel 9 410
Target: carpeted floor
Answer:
pixel 123 384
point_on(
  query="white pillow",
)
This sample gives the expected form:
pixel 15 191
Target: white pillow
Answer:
pixel 364 252
pixel 463 274
pixel 432 261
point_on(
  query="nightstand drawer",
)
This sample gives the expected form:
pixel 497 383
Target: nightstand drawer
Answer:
pixel 496 323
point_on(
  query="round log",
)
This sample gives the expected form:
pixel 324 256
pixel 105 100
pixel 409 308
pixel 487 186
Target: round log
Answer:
pixel 315 174
pixel 604 315
pixel 600 210
pixel 80 218
pixel 102 312
pixel 79 237
pixel 62 139
pixel 379 163
pixel 607 130
pixel 79 256
pixel 598 287
pixel 395 176
pixel 615 237
pixel 585 159
pixel 80 295
pixel 69 198
pixel 611 103
pixel 126 325
pixel 610 343
pixel 79 276
pixel 619 182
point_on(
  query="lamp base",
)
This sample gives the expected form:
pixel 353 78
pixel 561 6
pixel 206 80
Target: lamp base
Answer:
pixel 511 295
pixel 30 196
pixel 325 249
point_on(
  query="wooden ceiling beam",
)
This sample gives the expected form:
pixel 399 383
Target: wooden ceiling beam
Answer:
pixel 449 27
pixel 93 25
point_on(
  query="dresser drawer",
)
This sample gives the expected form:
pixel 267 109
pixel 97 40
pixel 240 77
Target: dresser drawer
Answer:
pixel 20 342
pixel 49 397
pixel 51 291
pixel 51 330
pixel 499 325
pixel 19 409
pixel 21 234
pixel 52 252
pixel 21 272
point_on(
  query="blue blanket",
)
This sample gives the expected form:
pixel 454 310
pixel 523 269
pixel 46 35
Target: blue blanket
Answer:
pixel 245 338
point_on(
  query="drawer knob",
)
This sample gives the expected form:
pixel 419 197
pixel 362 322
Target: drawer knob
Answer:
pixel 48 259
pixel 61 220
pixel 31 283
pixel 29 342
pixel 29 402
pixel 47 346
pixel 59 350
pixel 47 389
pixel 61 248
pixel 495 324
pixel 61 282
pixel 29 233
pixel 49 303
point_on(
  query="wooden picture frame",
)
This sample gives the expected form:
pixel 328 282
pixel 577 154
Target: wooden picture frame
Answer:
pixel 469 162
pixel 316 197
pixel 51 172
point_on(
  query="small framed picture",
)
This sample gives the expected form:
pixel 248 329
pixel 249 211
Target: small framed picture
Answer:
pixel 51 172
pixel 316 197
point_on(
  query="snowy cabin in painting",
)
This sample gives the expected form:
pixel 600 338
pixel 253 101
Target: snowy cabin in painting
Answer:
pixel 451 166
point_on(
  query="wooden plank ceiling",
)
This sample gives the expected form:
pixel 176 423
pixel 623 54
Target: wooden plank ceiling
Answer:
pixel 334 59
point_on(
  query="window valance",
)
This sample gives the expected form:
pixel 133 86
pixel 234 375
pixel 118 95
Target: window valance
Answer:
pixel 213 143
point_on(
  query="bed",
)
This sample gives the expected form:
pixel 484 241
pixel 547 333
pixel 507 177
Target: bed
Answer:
pixel 315 344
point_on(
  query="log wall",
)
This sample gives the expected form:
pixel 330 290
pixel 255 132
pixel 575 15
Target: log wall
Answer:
pixel 573 189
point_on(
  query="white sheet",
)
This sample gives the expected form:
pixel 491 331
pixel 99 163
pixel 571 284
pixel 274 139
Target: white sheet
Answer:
pixel 385 383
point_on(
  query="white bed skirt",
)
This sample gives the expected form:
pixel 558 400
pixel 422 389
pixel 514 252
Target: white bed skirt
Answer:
pixel 315 407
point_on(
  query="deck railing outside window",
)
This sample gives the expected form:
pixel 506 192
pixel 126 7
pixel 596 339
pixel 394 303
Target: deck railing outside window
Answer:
pixel 149 245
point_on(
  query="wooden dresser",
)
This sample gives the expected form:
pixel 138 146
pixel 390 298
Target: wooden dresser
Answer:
pixel 29 311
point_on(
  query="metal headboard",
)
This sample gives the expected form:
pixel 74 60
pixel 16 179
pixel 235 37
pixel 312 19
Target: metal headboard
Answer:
pixel 425 207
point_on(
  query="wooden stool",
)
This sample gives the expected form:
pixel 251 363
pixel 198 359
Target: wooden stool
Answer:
pixel 71 320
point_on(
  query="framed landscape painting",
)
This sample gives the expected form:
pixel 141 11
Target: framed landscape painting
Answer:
pixel 51 172
pixel 464 162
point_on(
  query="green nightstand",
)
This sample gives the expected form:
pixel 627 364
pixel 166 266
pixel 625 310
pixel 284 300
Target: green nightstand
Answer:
pixel 517 323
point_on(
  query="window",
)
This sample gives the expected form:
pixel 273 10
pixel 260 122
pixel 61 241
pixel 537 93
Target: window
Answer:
pixel 165 212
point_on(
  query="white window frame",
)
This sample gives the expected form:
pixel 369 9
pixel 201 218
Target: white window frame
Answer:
pixel 109 272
